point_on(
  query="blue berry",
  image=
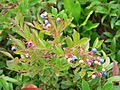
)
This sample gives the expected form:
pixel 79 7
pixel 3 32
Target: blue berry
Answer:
pixel 42 16
pixel 94 50
pixel 46 22
pixel 13 48
pixel 74 58
pixel 102 60
pixel 104 74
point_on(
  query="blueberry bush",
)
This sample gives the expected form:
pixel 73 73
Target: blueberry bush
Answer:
pixel 59 44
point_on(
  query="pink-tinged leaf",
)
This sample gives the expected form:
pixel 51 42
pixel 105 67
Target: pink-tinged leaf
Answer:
pixel 115 69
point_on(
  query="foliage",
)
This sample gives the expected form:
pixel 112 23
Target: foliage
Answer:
pixel 70 47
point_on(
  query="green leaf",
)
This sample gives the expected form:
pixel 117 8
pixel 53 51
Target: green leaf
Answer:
pixel 99 43
pixel 95 43
pixel 58 50
pixel 7 54
pixel 99 88
pixel 17 42
pixel 37 25
pixel 107 59
pixel 82 73
pixel 94 82
pixel 76 37
pixel 113 45
pixel 85 85
pixel 109 67
pixel 108 34
pixel 103 18
pixel 91 26
pixel 10 86
pixel 6 78
pixel 101 9
pixel 27 32
pixel 2 64
pixel 85 22
pixel 113 79
pixel 66 84
pixel 84 43
pixel 4 84
pixel 69 42
pixel 108 86
pixel 112 22
pixel 117 23
pixel 70 6
pixel 54 11
pixel 116 88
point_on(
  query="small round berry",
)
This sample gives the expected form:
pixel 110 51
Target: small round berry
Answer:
pixel 98 58
pixel 103 69
pixel 99 63
pixel 42 16
pixel 29 44
pixel 90 61
pixel 88 64
pixel 104 74
pixel 96 62
pixel 59 19
pixel 48 26
pixel 102 60
pixel 46 22
pixel 81 61
pixel 93 76
pixel 94 50
pixel 45 14
pixel 74 58
pixel 13 48
pixel 27 55
pixel 70 60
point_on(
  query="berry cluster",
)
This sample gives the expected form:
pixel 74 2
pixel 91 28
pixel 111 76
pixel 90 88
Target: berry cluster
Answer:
pixel 90 60
pixel 47 24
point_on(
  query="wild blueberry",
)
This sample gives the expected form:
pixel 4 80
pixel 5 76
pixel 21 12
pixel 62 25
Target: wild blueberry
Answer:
pixel 48 26
pixel 29 44
pixel 45 14
pixel 102 60
pixel 70 60
pixel 42 16
pixel 94 50
pixel 46 22
pixel 74 58
pixel 13 48
pixel 104 74
pixel 59 19
pixel 93 76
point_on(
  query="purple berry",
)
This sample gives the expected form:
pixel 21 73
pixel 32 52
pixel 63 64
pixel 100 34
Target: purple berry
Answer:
pixel 42 16
pixel 94 50
pixel 102 60
pixel 104 74
pixel 13 48
pixel 74 58
pixel 46 22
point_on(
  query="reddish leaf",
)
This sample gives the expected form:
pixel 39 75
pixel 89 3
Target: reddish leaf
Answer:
pixel 115 69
